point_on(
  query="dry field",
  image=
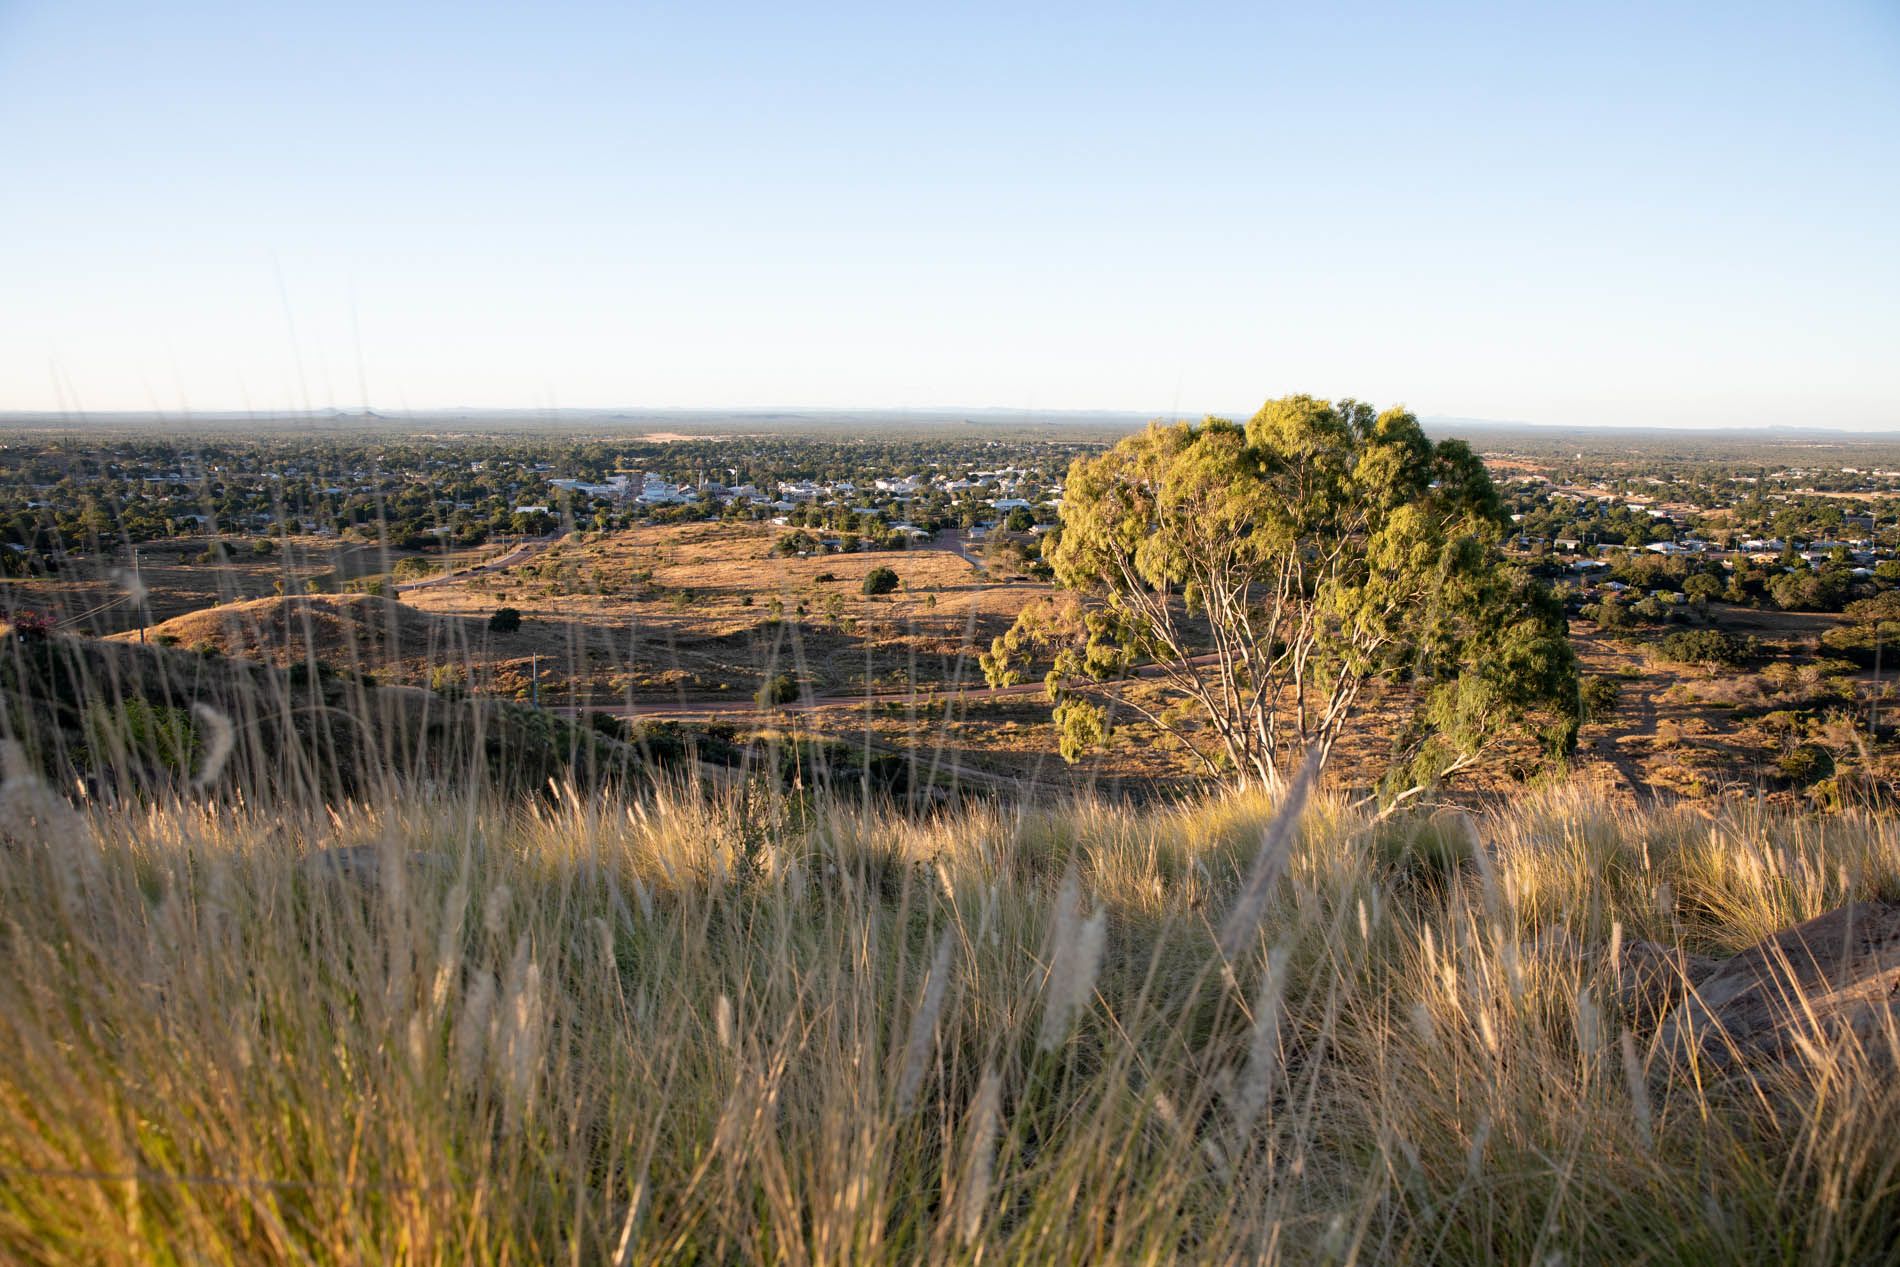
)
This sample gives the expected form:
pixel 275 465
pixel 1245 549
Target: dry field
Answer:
pixel 688 620
pixel 93 596
pixel 695 612
pixel 1696 732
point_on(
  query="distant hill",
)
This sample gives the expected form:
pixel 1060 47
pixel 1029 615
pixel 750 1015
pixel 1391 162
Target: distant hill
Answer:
pixel 341 630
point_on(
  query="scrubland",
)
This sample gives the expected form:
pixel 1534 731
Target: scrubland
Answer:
pixel 679 1024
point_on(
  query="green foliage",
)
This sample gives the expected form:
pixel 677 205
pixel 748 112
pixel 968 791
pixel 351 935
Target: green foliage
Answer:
pixel 506 620
pixel 779 689
pixel 1703 586
pixel 411 568
pixel 1874 625
pixel 879 580
pixel 1275 570
pixel 137 731
pixel 1081 727
pixel 1805 764
pixel 1600 696
pixel 791 543
pixel 1710 647
pixel 1809 590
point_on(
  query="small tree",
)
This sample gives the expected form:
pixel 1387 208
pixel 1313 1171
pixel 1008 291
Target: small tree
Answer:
pixel 1269 574
pixel 1709 647
pixel 1600 696
pixel 506 620
pixel 1703 586
pixel 777 690
pixel 879 580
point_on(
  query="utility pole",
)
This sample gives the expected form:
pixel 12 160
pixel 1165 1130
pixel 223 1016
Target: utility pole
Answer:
pixel 138 590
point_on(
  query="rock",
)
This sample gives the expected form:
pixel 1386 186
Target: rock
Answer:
pixel 1652 978
pixel 1832 978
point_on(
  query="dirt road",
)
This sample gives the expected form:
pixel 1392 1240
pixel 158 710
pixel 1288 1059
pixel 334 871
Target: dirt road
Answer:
pixel 520 554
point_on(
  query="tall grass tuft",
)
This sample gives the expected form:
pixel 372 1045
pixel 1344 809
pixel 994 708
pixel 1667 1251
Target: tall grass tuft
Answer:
pixel 443 1025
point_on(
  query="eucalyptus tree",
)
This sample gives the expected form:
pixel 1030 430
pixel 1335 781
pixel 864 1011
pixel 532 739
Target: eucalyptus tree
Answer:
pixel 1267 575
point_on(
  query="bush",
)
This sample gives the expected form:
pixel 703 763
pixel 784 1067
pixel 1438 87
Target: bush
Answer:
pixel 1600 695
pixel 797 542
pixel 1608 614
pixel 609 725
pixel 1806 764
pixel 32 626
pixel 879 580
pixel 506 620
pixel 1709 647
pixel 780 688
pixel 1703 586
pixel 408 569
pixel 825 578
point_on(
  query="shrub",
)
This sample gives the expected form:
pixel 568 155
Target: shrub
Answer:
pixel 797 542
pixel 879 580
pixel 1703 586
pixel 1709 647
pixel 32 626
pixel 1600 695
pixel 780 688
pixel 1805 764
pixel 825 578
pixel 506 620
pixel 1608 614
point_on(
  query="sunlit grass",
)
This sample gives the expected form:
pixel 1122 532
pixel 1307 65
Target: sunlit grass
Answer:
pixel 719 1026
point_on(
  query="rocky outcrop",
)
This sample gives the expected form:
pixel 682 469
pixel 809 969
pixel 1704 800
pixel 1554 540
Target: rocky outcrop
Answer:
pixel 1652 979
pixel 1830 980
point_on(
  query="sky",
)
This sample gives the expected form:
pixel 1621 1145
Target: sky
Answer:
pixel 1650 214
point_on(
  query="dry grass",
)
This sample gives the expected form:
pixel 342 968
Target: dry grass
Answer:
pixel 740 1027
pixel 687 607
pixel 91 593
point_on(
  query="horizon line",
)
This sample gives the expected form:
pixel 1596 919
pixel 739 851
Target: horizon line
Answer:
pixel 68 417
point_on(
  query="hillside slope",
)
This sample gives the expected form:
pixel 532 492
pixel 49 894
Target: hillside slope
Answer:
pixel 116 717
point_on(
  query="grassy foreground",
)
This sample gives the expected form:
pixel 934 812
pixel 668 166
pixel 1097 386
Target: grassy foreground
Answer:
pixel 717 1028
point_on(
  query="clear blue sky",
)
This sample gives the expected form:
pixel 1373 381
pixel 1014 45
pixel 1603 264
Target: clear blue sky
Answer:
pixel 1646 212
